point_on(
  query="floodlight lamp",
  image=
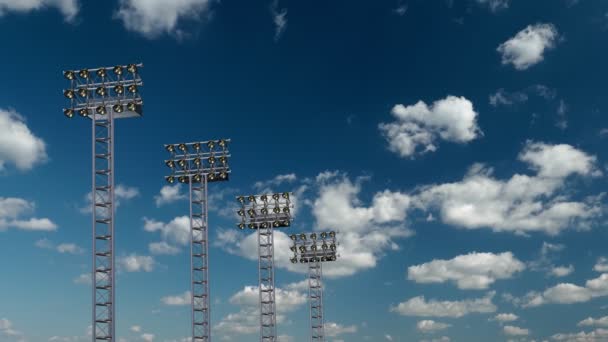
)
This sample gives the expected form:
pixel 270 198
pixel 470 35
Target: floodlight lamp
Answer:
pixel 276 224
pixel 264 211
pixel 101 110
pixel 182 163
pixel 197 161
pixel 264 224
pixel 251 198
pixel 286 195
pixel 196 146
pixel 313 247
pixel 118 70
pixel 211 176
pixel 323 259
pixel 251 226
pixel 197 178
pixel 211 160
pixel 286 210
pixel 333 247
pixel 69 94
pixel 303 237
pixel 132 89
pixel 241 212
pixel 118 108
pixel 332 234
pixel 302 249
pixel 293 249
pixel 286 223
pixel 223 175
pixel 222 143
pixel 211 145
pixel 170 179
pixel 294 237
pixel 241 199
pixel 294 260
pixel 69 75
pixel 323 235
pixel 223 160
pixel 83 92
pixel 101 91
pixel 84 112
pixel 241 226
pixel 68 112
pixel 183 179
pixel 101 72
pixel 182 147
pixel 276 210
pixel 132 68
pixel 264 198
pixel 324 246
pixel 275 197
pixel 170 148
pixel 313 236
pixel 119 89
pixel 84 73
pixel 251 212
pixel 131 106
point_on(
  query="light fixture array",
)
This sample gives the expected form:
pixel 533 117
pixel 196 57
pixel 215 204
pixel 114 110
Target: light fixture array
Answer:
pixel 265 211
pixel 190 162
pixel 314 247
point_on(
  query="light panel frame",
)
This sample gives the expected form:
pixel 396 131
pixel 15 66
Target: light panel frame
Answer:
pixel 184 157
pixel 259 211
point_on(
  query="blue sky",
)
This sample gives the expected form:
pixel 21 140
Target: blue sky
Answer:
pixel 455 145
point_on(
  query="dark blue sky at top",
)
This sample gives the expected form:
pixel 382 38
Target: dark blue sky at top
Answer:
pixel 310 102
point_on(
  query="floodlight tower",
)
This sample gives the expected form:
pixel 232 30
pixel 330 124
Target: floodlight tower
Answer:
pixel 102 95
pixel 264 213
pixel 197 164
pixel 314 252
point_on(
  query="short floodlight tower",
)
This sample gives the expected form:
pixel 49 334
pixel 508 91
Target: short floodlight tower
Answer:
pixel 102 95
pixel 264 213
pixel 315 249
pixel 198 164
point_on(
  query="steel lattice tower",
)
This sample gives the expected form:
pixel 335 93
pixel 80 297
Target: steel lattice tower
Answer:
pixel 102 95
pixel 315 252
pixel 265 213
pixel 198 164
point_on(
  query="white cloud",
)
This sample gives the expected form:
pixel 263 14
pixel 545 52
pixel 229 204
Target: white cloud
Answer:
pixel 11 211
pixel 151 18
pixel 147 337
pixel 69 8
pixel 418 127
pixel 566 293
pixel 502 97
pixel 162 248
pixel 18 145
pixel 495 5
pixel 505 317
pixel 84 279
pixel 469 271
pixel 401 9
pixel 135 328
pixel 181 299
pixel 63 248
pixel 515 331
pixel 591 322
pixel 388 337
pixel 601 265
pixel 279 18
pixel 597 335
pixel 420 307
pixel 276 181
pixel 7 331
pixel 176 232
pixel 522 203
pixel 334 329
pixel 169 194
pixel 440 339
pixel 137 263
pixel 528 46
pixel 562 271
pixel 430 326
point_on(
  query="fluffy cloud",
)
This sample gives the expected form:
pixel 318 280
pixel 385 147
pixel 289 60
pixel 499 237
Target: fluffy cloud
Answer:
pixel 440 339
pixel 562 271
pixel 279 18
pixel 11 212
pixel 430 326
pixel 7 330
pixel 84 279
pixel 515 331
pixel 601 265
pixel 418 127
pixel 69 8
pixel 335 329
pixel 420 307
pixel 18 145
pixel 63 248
pixel 566 293
pixel 151 18
pixel 169 194
pixel 147 337
pixel 594 322
pixel 181 299
pixel 522 203
pixel 366 232
pixel 505 317
pixel 276 181
pixel 469 271
pixel 175 232
pixel 162 248
pixel 528 46
pixel 593 336
pixel 137 263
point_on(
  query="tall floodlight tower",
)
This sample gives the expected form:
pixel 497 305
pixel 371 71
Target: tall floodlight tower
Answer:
pixel 102 95
pixel 264 213
pixel 314 250
pixel 198 164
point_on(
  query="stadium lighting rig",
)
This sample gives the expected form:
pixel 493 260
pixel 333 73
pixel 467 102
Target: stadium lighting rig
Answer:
pixel 198 164
pixel 315 249
pixel 265 213
pixel 102 95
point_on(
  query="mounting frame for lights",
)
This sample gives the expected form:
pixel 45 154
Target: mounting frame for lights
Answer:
pixel 315 249
pixel 197 164
pixel 96 91
pixel 264 213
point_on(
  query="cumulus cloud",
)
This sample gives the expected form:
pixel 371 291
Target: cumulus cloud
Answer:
pixel 592 336
pixel 137 263
pixel 528 46
pixel 470 271
pixel 515 331
pixel 334 329
pixel 594 322
pixel 169 194
pixel 601 265
pixel 152 18
pixel 162 248
pixel 18 145
pixel 279 18
pixel 69 8
pixel 63 248
pixel 562 271
pixel 366 232
pixel 495 5
pixel 420 307
pixel 174 233
pixel 418 127
pixel 7 330
pixel 181 299
pixel 430 326
pixel 522 203
pixel 12 211
pixel 567 293
pixel 505 317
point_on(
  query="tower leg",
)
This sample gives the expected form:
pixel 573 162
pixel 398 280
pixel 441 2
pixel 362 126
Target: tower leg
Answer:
pixel 315 286
pixel 268 330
